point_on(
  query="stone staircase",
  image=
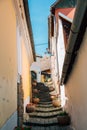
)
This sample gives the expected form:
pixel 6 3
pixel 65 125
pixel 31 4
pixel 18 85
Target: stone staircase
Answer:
pixel 45 115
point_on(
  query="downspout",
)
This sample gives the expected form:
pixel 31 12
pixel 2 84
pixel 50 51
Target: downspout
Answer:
pixel 74 35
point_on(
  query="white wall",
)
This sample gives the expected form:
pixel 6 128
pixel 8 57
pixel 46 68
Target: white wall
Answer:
pixel 76 89
pixel 54 64
pixel 36 68
pixel 45 63
pixel 19 53
pixel 60 47
pixel 41 65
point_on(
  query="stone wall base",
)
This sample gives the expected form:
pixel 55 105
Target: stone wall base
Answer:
pixel 11 122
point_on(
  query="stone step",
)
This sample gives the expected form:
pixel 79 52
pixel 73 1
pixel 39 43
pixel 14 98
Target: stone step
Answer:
pixel 44 92
pixel 42 97
pixel 41 121
pixel 45 115
pixel 38 109
pixel 46 99
pixel 51 127
pixel 45 124
pixel 45 105
pixel 56 127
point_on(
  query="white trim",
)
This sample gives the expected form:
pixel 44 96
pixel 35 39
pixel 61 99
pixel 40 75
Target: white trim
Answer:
pixel 65 17
pixel 26 101
pixel 21 21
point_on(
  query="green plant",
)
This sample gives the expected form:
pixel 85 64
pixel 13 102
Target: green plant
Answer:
pixel 63 113
pixel 63 119
pixel 30 107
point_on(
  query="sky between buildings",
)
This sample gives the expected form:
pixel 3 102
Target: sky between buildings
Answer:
pixel 39 12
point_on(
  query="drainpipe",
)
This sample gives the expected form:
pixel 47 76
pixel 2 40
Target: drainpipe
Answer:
pixel 74 34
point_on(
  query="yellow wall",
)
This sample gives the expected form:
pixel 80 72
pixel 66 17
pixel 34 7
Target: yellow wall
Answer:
pixel 76 89
pixel 8 61
pixel 42 78
pixel 25 72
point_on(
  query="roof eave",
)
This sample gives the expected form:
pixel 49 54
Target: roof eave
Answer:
pixel 75 40
pixel 27 14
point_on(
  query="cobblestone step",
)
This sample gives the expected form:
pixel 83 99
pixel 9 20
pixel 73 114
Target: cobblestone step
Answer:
pixel 45 105
pixel 48 109
pixel 44 114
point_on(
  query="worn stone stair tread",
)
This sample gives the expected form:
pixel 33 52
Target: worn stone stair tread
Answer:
pixel 45 105
pixel 42 94
pixel 43 87
pixel 38 109
pixel 56 127
pixel 41 121
pixel 44 97
pixel 49 104
pixel 45 100
pixel 44 115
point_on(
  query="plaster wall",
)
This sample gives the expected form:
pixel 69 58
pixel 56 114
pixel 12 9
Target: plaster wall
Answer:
pixel 54 64
pixel 36 68
pixel 26 76
pixel 60 47
pixel 76 89
pixel 8 61
pixel 44 63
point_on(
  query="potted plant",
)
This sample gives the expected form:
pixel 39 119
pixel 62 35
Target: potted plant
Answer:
pixel 53 96
pixel 56 102
pixel 63 119
pixel 51 88
pixel 34 83
pixel 30 108
pixel 36 100
pixel 35 91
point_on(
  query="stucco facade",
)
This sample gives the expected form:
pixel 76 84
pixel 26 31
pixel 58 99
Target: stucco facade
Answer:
pixel 76 89
pixel 54 64
pixel 42 64
pixel 8 61
pixel 16 56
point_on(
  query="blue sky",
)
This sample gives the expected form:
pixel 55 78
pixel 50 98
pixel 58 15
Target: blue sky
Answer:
pixel 39 12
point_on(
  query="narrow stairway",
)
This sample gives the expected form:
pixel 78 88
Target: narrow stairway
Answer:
pixel 45 115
